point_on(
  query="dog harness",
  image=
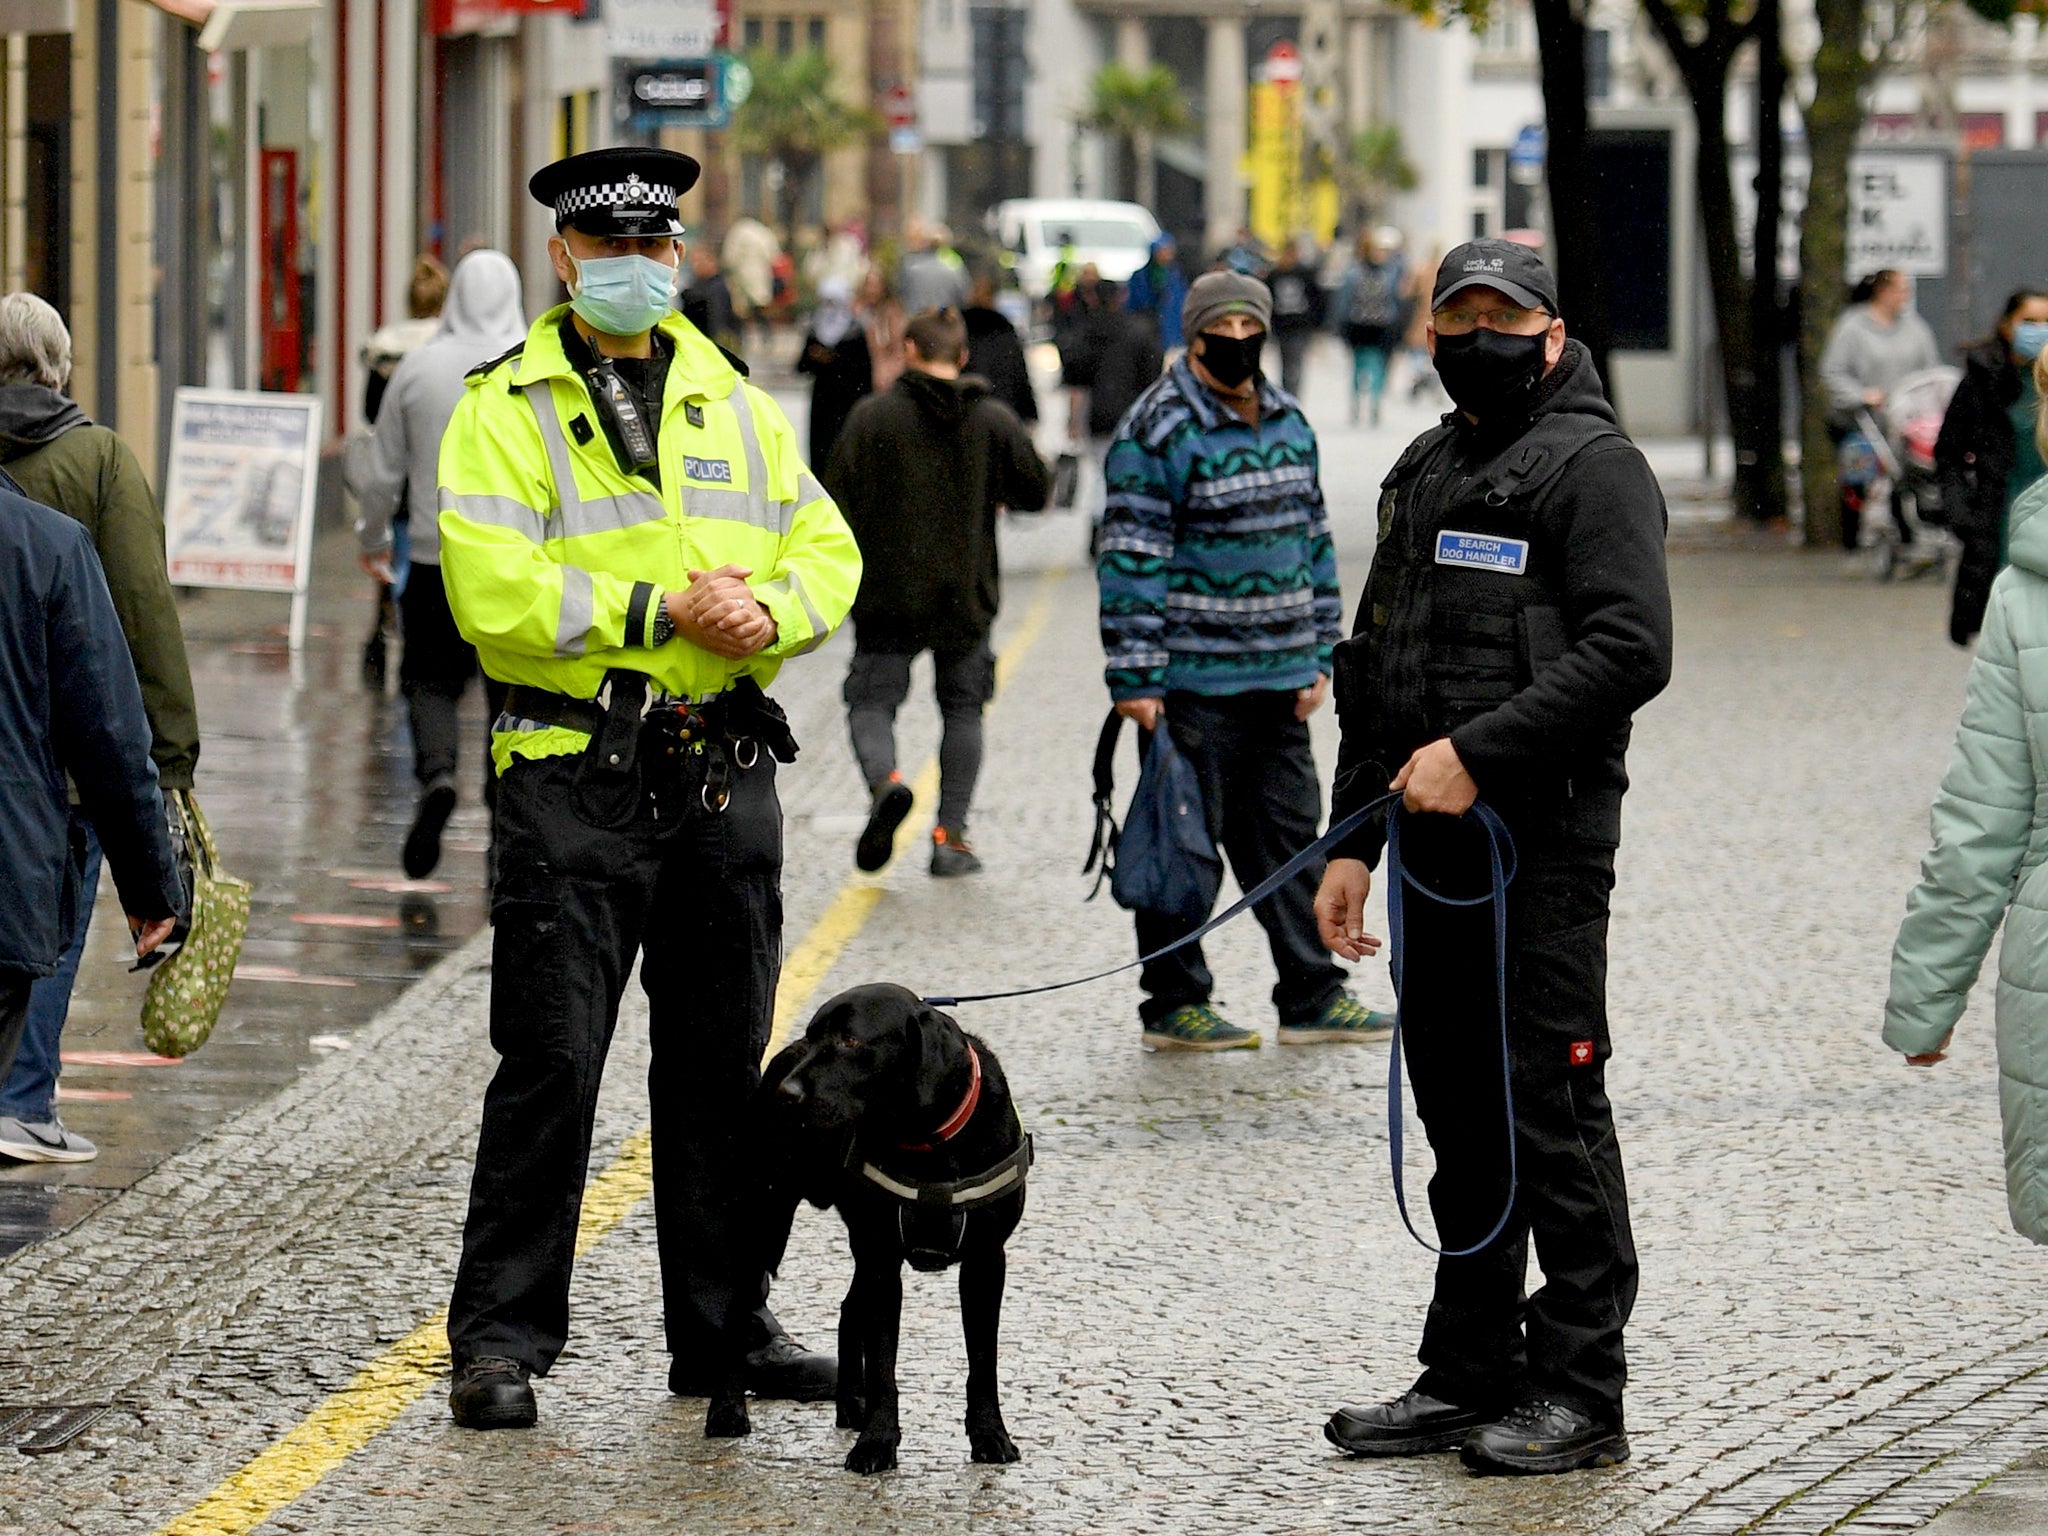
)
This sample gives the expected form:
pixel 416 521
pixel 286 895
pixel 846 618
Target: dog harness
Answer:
pixel 931 1219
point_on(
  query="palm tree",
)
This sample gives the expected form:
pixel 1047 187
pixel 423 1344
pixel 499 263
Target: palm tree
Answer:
pixel 794 118
pixel 1374 168
pixel 1135 107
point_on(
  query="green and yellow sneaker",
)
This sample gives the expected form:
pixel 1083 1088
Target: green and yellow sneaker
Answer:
pixel 1198 1027
pixel 1345 1019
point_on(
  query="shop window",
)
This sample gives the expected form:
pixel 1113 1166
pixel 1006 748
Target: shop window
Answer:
pixel 1482 168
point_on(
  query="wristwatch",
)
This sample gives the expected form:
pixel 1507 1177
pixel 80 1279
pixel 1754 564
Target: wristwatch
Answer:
pixel 663 628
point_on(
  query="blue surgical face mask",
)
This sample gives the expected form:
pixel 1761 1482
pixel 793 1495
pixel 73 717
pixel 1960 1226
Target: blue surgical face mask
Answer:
pixel 621 295
pixel 2029 337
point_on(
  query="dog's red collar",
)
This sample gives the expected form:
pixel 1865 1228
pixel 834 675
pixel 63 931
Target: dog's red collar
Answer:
pixel 954 1123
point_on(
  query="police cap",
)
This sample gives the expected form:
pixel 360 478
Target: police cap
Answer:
pixel 623 191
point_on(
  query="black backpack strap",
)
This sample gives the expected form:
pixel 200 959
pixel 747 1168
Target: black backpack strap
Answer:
pixel 1542 455
pixel 1102 847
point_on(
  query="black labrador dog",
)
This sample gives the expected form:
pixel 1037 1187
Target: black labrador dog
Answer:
pixel 891 1112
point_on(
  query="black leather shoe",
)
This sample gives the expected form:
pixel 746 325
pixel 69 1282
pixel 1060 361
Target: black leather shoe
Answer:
pixel 1413 1424
pixel 492 1394
pixel 781 1368
pixel 1543 1436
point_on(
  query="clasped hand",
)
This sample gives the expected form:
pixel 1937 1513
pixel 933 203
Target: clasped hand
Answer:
pixel 719 612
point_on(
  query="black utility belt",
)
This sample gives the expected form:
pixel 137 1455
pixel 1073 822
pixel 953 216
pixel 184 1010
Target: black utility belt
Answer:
pixel 585 715
pixel 741 714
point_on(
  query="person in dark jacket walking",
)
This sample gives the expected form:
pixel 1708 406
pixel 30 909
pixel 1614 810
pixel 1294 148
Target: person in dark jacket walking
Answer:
pixel 997 353
pixel 1219 606
pixel 835 354
pixel 69 704
pixel 1111 359
pixel 1516 616
pixel 1297 311
pixel 61 459
pixel 1985 455
pixel 920 472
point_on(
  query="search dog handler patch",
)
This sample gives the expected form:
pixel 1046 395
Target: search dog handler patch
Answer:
pixel 1484 552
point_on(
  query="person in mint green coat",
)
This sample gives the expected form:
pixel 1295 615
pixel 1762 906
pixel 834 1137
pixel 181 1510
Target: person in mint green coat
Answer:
pixel 1990 848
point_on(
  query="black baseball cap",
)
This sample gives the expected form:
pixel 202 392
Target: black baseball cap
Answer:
pixel 623 191
pixel 1513 269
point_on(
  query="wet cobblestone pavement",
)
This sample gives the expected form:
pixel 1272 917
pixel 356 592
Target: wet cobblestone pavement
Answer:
pixel 1837 1331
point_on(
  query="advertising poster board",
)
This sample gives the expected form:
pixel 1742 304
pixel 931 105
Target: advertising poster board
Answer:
pixel 238 500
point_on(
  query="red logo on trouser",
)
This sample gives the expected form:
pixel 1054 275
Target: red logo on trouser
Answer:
pixel 1582 1053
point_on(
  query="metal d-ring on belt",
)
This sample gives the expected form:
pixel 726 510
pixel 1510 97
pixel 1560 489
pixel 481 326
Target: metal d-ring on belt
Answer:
pixel 677 717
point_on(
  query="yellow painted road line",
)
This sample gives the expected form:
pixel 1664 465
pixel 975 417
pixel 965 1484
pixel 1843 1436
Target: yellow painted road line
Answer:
pixel 370 1404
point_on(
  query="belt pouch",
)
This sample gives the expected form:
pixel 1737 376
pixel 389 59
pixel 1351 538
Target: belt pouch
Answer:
pixel 608 779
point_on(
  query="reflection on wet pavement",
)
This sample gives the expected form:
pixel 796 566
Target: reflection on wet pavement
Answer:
pixel 307 779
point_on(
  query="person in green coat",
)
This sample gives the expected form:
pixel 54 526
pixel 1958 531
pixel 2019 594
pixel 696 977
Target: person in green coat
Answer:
pixel 1990 863
pixel 61 459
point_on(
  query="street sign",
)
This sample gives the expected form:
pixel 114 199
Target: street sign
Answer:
pixel 664 29
pixel 899 106
pixel 1898 214
pixel 1283 64
pixel 905 141
pixel 449 18
pixel 1525 156
pixel 671 93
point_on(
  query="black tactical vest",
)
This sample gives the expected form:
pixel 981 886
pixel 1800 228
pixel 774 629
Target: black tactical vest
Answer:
pixel 1464 605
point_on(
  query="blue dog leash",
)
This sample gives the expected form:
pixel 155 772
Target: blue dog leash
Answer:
pixel 1500 855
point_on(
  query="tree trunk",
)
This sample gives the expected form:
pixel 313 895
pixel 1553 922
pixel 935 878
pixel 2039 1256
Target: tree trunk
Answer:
pixel 1574 226
pixel 1766 311
pixel 1840 74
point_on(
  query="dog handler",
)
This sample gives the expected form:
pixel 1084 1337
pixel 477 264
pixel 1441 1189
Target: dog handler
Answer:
pixel 1516 617
pixel 631 540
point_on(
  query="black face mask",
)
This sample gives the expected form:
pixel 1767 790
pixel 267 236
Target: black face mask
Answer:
pixel 1231 359
pixel 1489 374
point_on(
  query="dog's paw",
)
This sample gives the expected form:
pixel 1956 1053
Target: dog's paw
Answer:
pixel 853 1414
pixel 727 1419
pixel 870 1456
pixel 993 1447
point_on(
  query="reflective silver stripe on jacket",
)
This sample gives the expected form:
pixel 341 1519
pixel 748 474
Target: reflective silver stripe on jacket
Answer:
pixel 792 586
pixel 577 514
pixel 579 609
pixel 761 510
pixel 496 512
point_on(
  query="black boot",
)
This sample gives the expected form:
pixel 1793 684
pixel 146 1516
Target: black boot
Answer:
pixel 1545 1436
pixel 781 1368
pixel 1413 1424
pixel 877 843
pixel 492 1394
pixel 423 842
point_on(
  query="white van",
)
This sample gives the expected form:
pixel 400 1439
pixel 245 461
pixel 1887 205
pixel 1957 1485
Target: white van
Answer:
pixel 1117 237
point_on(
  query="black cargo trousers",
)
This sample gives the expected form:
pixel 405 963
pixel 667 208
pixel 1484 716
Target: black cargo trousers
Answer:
pixel 591 874
pixel 1485 1344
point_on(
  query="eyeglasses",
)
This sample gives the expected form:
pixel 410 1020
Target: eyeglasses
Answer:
pixel 1460 320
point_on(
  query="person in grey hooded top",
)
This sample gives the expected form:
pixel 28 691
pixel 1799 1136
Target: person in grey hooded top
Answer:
pixel 485 314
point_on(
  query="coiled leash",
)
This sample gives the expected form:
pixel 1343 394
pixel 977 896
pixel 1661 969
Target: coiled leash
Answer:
pixel 1500 847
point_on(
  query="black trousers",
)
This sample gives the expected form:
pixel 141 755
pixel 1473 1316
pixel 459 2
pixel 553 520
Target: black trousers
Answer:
pixel 434 671
pixel 1484 1344
pixel 1264 804
pixel 14 995
pixel 583 889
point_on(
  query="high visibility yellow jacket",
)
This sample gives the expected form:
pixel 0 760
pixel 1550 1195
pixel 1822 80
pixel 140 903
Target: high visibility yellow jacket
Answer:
pixel 556 560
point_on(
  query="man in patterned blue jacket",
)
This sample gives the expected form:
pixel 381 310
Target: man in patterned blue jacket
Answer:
pixel 1219 611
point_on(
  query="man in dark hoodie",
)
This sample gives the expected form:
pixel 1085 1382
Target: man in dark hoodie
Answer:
pixel 62 460
pixel 1516 617
pixel 920 472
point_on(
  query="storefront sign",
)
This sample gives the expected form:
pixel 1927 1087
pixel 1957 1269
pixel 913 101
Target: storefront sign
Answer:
pixel 673 93
pixel 665 29
pixel 450 17
pixel 1898 214
pixel 238 501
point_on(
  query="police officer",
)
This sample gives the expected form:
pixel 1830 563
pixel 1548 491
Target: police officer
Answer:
pixel 630 539
pixel 1516 616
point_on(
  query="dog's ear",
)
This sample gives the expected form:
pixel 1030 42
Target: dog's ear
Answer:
pixel 939 1041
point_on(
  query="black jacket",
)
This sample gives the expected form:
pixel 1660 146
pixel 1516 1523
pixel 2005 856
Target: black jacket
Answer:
pixel 995 354
pixel 919 472
pixel 843 375
pixel 1535 676
pixel 69 703
pixel 1115 355
pixel 1973 459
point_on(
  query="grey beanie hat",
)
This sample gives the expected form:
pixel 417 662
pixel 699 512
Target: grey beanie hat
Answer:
pixel 1216 294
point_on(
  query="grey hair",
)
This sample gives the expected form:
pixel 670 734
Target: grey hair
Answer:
pixel 35 346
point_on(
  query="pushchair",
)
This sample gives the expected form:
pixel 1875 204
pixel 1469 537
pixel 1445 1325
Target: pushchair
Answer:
pixel 1886 463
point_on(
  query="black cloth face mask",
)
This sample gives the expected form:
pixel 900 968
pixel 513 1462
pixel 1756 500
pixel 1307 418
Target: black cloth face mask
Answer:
pixel 1488 373
pixel 1231 359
